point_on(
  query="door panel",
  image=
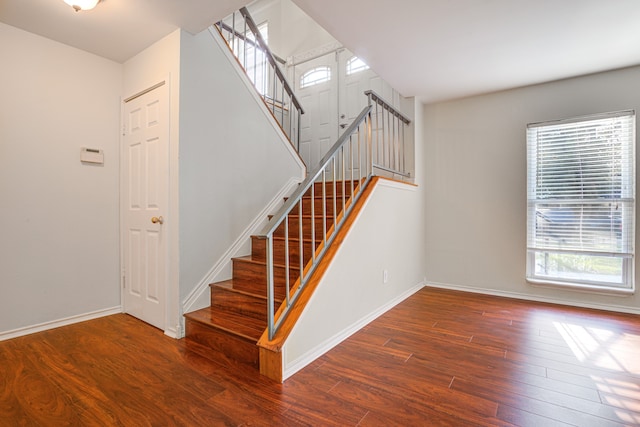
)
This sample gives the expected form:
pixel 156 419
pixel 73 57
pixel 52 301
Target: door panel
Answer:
pixel 318 126
pixel 145 196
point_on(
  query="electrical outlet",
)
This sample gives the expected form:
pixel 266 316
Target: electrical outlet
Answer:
pixel 385 276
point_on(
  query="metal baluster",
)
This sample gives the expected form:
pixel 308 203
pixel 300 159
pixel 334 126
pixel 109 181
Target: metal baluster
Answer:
pixel 301 241
pixel 388 164
pixel 255 65
pixel 377 137
pixel 270 286
pixel 265 73
pixel 244 45
pixel 404 159
pixel 351 159
pixel 395 142
pixel 286 259
pixel 313 222
pixel 359 160
pixel 324 208
pixel 344 176
pixel 335 197
pixel 282 106
pixel 233 34
pixel 291 120
pixel 298 130
pixel 370 145
pixel 275 90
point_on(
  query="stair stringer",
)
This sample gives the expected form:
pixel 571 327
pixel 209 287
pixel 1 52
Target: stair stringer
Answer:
pixel 313 326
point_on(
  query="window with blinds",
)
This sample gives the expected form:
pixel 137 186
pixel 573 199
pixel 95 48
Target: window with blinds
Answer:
pixel 581 201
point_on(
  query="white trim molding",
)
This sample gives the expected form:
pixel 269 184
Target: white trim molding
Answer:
pixel 528 297
pixel 58 323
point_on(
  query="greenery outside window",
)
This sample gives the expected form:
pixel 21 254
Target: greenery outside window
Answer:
pixel 581 201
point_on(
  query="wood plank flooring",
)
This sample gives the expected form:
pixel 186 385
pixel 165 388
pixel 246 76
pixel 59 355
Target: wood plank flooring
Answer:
pixel 439 358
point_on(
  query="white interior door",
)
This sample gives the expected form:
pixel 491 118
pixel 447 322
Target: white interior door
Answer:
pixel 144 200
pixel 319 125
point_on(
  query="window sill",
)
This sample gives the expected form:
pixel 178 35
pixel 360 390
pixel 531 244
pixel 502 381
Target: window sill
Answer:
pixel 594 289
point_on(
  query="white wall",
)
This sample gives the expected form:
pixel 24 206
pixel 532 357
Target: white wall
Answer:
pixel 233 158
pixel 352 292
pixel 475 182
pixel 59 226
pixel 286 19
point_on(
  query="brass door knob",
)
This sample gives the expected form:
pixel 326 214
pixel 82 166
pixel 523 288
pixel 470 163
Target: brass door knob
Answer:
pixel 157 220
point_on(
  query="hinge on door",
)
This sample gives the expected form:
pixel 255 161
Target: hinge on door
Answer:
pixel 124 282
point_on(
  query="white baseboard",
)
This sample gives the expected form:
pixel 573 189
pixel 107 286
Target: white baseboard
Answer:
pixel 529 297
pixel 327 345
pixel 175 333
pixel 58 323
pixel 191 301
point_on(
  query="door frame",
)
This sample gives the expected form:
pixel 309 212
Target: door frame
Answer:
pixel 173 326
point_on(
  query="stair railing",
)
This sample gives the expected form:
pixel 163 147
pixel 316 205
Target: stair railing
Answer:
pixel 374 140
pixel 261 66
pixel 388 139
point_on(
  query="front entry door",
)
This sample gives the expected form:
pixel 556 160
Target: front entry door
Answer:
pixel 318 125
pixel 144 200
pixel 332 105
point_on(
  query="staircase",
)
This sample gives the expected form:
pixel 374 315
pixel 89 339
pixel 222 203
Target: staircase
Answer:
pixel 252 314
pixel 228 331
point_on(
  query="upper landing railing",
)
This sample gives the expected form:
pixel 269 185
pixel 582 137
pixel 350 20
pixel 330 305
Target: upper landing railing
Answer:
pixel 261 65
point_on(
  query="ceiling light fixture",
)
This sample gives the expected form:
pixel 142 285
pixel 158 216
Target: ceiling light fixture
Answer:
pixel 79 5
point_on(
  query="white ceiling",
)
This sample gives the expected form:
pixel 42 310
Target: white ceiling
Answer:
pixel 432 49
pixel 443 49
pixel 115 29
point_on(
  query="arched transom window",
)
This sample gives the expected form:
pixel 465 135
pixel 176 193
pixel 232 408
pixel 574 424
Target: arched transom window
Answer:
pixel 315 76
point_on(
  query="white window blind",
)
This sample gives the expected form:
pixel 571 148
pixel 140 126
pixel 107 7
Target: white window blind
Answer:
pixel 581 200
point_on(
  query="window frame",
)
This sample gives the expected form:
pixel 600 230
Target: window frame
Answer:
pixel 627 221
pixel 350 70
pixel 304 84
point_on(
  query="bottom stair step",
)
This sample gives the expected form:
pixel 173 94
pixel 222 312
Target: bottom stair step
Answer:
pixel 237 324
pixel 226 338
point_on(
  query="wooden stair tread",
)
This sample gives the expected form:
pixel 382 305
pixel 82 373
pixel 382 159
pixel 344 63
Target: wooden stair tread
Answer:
pixel 245 327
pixel 228 285
pixel 250 260
pixel 223 284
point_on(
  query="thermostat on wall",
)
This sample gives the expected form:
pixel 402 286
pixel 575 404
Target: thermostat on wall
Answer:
pixel 91 155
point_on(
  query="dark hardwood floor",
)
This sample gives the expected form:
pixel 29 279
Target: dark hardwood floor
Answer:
pixel 439 358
